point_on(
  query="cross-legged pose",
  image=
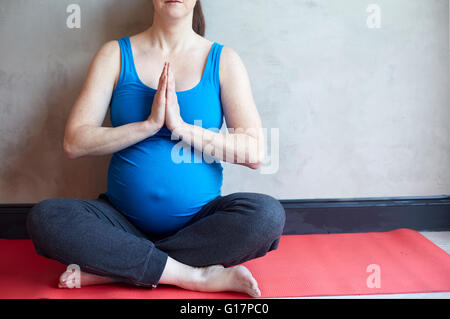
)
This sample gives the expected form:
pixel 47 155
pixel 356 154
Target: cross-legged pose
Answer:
pixel 163 218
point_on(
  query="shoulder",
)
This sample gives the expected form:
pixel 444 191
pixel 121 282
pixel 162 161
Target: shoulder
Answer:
pixel 231 65
pixel 106 61
pixel 108 54
pixel 109 49
pixel 229 56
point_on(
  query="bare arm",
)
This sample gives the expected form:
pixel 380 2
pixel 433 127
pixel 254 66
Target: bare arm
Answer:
pixel 84 134
pixel 244 145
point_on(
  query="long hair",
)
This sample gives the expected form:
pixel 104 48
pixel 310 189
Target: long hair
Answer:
pixel 198 21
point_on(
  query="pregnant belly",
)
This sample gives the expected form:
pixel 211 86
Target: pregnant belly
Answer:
pixel 155 192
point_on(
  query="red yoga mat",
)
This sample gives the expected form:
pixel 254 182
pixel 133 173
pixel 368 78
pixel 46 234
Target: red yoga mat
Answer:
pixel 400 261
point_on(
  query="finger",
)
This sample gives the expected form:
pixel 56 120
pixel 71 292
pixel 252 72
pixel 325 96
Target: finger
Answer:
pixel 161 78
pixel 167 80
pixel 170 80
pixel 163 90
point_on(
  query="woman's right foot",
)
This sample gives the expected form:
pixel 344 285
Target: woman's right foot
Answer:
pixel 217 278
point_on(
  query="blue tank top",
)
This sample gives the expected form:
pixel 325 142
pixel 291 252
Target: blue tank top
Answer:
pixel 158 194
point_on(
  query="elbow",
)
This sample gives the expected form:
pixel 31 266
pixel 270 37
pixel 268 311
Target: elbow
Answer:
pixel 256 164
pixel 69 150
pixel 258 155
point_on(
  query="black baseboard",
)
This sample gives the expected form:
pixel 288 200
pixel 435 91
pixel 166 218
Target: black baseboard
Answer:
pixel 360 215
pixel 12 220
pixel 315 216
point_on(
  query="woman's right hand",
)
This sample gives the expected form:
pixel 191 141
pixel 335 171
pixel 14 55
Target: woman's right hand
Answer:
pixel 157 115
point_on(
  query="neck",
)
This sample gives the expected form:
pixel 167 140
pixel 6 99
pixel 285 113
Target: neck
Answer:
pixel 171 35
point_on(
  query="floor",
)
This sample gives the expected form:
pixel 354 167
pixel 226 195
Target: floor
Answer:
pixel 441 239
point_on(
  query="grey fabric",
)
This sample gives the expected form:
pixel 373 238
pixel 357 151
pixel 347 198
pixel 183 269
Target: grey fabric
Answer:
pixel 228 230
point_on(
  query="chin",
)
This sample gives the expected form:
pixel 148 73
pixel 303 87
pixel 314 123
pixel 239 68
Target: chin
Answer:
pixel 174 11
pixel 174 15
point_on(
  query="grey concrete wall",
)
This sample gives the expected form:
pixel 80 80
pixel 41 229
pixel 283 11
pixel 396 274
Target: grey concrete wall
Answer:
pixel 361 112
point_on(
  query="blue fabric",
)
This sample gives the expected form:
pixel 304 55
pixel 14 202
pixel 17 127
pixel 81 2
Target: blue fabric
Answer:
pixel 158 194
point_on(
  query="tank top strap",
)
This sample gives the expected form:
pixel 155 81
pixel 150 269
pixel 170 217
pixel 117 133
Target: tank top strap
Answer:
pixel 127 70
pixel 213 65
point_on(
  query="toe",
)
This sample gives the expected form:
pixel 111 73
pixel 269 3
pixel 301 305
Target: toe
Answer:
pixel 63 280
pixel 255 292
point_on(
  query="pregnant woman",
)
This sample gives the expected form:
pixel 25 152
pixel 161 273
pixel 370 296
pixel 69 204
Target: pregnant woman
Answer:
pixel 163 219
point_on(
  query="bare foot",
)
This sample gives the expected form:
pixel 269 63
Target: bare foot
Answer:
pixel 237 278
pixel 67 279
pixel 214 278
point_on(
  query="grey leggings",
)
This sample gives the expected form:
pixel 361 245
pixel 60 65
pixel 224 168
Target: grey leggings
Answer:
pixel 228 230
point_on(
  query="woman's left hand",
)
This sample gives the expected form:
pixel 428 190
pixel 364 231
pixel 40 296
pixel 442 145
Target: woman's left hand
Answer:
pixel 173 117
